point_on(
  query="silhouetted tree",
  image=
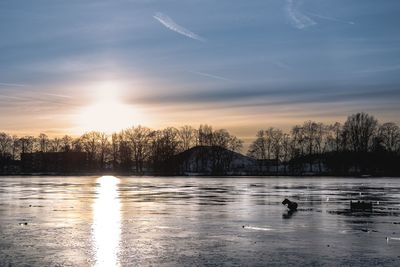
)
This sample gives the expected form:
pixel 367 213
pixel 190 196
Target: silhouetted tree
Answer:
pixel 5 144
pixel 221 141
pixel 27 143
pixel 360 129
pixel 286 150
pixel 309 132
pixel 276 137
pixel 104 147
pixel 334 134
pixel 15 147
pixel 139 139
pixel 43 141
pixel 258 149
pixel 297 141
pixel 205 135
pixel 55 145
pixel 66 143
pixel 164 145
pixel 115 147
pixel 389 134
pixel 235 144
pixel 187 137
pixel 124 151
pixel 91 143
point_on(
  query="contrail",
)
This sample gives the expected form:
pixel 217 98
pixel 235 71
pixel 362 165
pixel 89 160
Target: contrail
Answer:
pixel 298 19
pixel 173 26
pixel 211 76
pixel 330 18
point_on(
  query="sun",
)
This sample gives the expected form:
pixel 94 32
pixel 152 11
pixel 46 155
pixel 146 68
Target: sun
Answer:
pixel 107 113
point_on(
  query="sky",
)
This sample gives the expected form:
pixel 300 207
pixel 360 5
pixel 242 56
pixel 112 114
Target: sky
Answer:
pixel 73 66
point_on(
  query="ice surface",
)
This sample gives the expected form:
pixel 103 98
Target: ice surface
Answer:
pixel 132 221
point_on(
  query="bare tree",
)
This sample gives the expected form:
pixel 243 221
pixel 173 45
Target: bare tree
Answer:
pixel 187 137
pixel 205 135
pixel 334 137
pixel 91 143
pixel 297 141
pixel 27 143
pixel 66 143
pixel 164 145
pixel 55 144
pixel 5 144
pixel 43 141
pixel 115 146
pixel 103 149
pixel 286 150
pixel 76 145
pixel 15 147
pixel 360 129
pixel 257 149
pixel 235 144
pixel 139 138
pixel 390 135
pixel 220 138
pixel 276 138
pixel 124 151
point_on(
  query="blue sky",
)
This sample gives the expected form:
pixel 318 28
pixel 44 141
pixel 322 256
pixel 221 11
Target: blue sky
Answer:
pixel 240 65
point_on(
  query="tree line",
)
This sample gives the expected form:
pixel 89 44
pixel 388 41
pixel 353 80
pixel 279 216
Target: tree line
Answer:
pixel 131 149
pixel 360 144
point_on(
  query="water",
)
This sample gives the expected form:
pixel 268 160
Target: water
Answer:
pixel 130 221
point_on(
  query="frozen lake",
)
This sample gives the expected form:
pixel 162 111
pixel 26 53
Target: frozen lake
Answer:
pixel 131 221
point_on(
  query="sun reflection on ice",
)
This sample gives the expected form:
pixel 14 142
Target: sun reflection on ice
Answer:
pixel 107 222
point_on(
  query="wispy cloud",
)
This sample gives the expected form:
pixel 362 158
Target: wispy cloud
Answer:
pixel 57 95
pixel 297 18
pixel 281 65
pixel 12 84
pixel 380 69
pixel 240 96
pixel 35 98
pixel 330 18
pixel 173 26
pixel 11 97
pixel 211 76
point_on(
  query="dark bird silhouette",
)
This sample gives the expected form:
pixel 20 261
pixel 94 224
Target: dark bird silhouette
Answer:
pixel 291 205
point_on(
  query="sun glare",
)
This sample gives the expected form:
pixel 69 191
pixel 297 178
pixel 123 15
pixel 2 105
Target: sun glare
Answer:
pixel 107 113
pixel 107 222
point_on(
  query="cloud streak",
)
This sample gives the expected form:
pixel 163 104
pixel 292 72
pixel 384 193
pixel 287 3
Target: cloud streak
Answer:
pixel 12 84
pixel 297 18
pixel 31 98
pixel 330 18
pixel 280 96
pixel 380 69
pixel 57 95
pixel 211 76
pixel 173 26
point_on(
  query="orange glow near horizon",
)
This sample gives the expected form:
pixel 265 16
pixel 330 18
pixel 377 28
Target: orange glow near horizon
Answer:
pixel 107 113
